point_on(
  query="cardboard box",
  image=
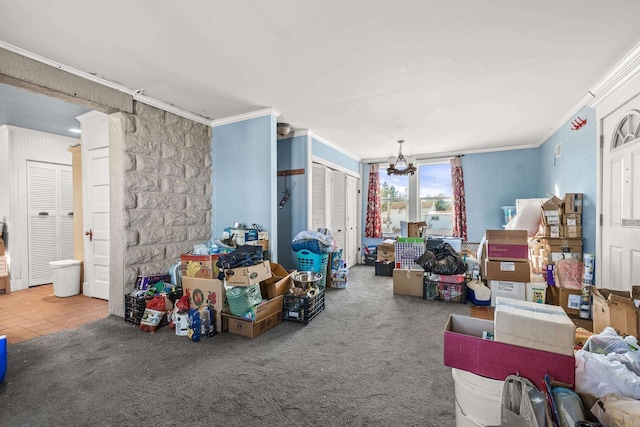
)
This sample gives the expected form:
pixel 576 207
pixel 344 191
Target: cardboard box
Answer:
pixel 507 245
pixel 5 285
pixel 562 244
pixel 616 309
pixel 571 231
pixel 552 210
pixel 572 203
pixel 572 219
pixel 4 271
pixel 207 292
pixel 247 276
pixel 278 284
pixel 201 266
pixel 412 229
pixel 557 256
pixel 510 271
pixel 507 289
pixel 408 282
pixel 268 315
pixel 1 246
pixel 386 252
pixel 539 326
pixel 464 348
pixel 568 299
pixel 553 231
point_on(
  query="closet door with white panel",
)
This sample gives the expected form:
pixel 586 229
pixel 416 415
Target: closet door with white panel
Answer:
pixel 351 199
pixel 50 225
pixel 339 209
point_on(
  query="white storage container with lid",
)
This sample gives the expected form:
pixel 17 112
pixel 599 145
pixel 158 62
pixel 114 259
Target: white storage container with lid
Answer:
pixel 66 277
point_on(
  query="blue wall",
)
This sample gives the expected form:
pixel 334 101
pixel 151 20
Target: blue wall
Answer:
pixel 292 218
pixel 244 168
pixel 334 156
pixel 493 180
pixel 497 179
pixel 574 171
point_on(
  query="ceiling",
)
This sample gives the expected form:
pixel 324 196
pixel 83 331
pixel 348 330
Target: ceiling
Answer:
pixel 447 77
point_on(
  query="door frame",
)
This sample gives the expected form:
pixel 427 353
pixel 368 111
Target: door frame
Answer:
pixel 606 104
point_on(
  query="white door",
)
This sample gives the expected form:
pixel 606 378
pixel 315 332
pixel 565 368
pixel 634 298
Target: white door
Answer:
pixel 339 209
pixel 620 258
pixel 95 181
pixel 351 246
pixel 50 225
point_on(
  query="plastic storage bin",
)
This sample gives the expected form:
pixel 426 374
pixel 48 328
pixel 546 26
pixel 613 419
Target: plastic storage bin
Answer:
pixel 66 277
pixel 309 261
pixel 478 399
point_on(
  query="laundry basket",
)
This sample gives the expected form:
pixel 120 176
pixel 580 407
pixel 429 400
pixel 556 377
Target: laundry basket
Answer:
pixel 309 261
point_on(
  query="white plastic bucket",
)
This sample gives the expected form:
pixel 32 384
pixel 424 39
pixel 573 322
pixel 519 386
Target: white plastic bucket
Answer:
pixel 478 399
pixel 66 277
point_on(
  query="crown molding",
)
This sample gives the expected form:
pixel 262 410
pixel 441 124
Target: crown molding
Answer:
pixel 332 145
pixel 245 116
pixel 135 94
pixel 622 73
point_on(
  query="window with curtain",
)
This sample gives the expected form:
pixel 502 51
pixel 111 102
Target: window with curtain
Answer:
pixel 434 202
pixel 394 202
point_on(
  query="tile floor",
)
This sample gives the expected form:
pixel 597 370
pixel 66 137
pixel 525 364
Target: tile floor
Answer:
pixel 35 312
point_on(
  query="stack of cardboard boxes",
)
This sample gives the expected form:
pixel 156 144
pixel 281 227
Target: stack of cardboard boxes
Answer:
pixel 562 235
pixel 200 280
pixel 5 286
pixel 505 264
pixel 560 238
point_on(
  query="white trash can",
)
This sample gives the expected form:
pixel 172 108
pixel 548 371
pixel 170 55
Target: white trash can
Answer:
pixel 66 277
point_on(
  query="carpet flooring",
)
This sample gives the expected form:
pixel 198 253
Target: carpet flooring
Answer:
pixel 371 358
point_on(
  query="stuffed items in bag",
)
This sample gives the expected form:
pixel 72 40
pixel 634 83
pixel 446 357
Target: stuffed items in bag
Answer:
pixel 442 259
pixel 153 314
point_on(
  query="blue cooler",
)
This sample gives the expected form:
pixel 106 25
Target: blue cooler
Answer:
pixel 3 357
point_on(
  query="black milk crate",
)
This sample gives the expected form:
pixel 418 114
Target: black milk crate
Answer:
pixel 384 268
pixel 134 308
pixel 442 291
pixel 370 259
pixel 302 309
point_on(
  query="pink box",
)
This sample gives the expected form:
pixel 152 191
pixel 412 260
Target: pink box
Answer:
pixel 500 252
pixel 507 245
pixel 464 348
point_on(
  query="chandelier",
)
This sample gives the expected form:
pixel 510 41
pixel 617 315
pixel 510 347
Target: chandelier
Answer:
pixel 400 165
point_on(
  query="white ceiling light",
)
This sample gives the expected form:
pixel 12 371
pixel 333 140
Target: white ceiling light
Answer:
pixel 75 130
pixel 401 165
pixel 283 129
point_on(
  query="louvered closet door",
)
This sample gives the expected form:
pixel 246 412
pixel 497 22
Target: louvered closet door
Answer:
pixel 47 239
pixel 339 209
pixel 319 197
pixel 66 213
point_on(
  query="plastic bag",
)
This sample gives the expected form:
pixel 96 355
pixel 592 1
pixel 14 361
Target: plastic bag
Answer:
pixel 153 313
pixel 522 403
pixel 615 348
pixel 242 299
pixel 183 303
pixel 614 410
pixel 599 375
pixel 442 259
pixel 201 323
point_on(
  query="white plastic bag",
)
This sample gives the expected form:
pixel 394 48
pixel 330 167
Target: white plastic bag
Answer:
pixel 615 410
pixel 598 375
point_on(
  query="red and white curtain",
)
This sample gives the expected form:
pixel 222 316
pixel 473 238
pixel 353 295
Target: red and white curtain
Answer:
pixel 459 204
pixel 373 226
